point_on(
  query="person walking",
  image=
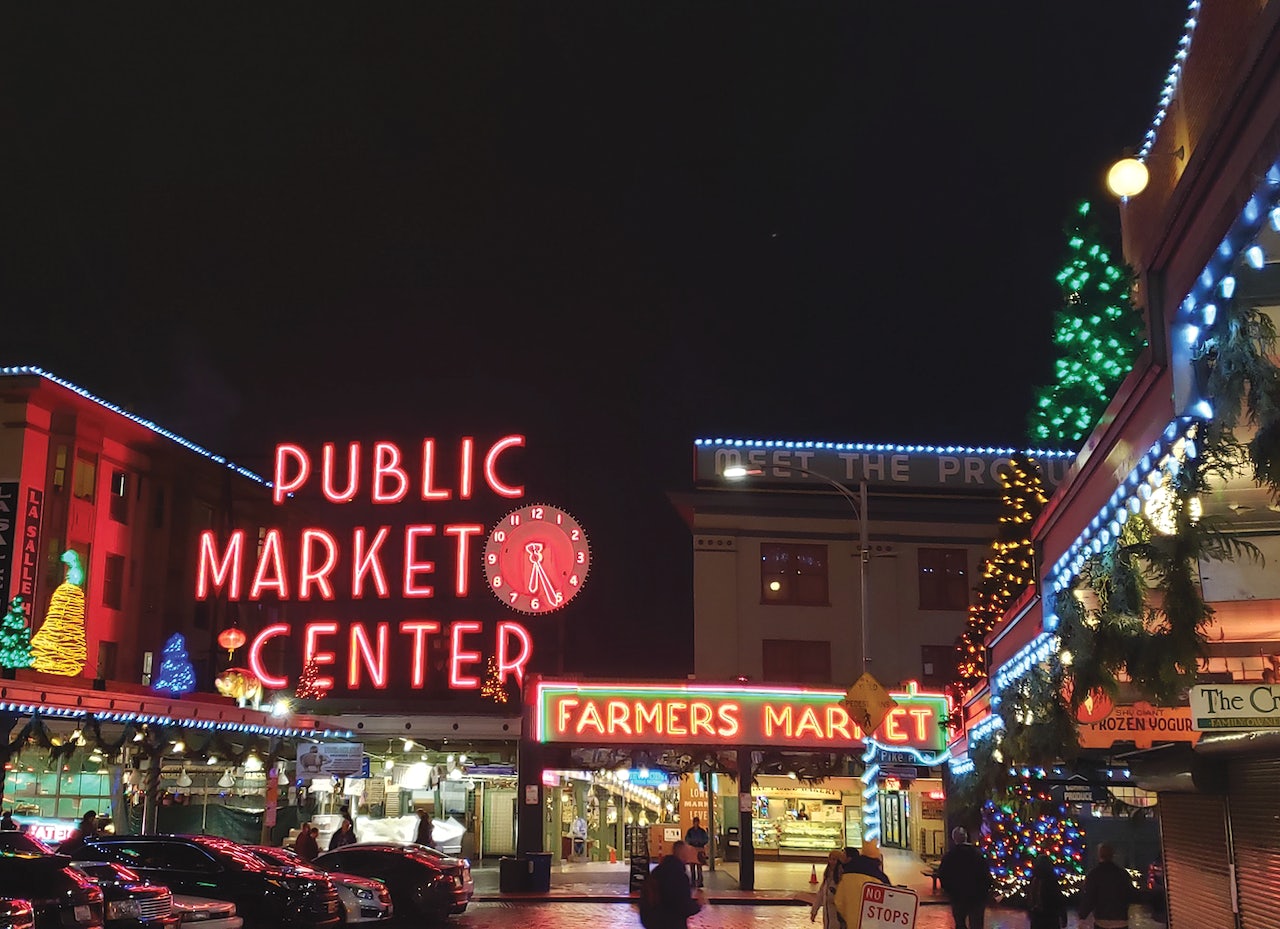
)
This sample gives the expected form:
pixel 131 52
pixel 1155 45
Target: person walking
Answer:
pixel 1108 891
pixel 6 822
pixel 666 900
pixel 346 834
pixel 74 844
pixel 696 838
pixel 825 900
pixel 1046 905
pixel 866 867
pixel 305 846
pixel 966 878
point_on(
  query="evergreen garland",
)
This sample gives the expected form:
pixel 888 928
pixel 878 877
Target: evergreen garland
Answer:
pixel 1098 334
pixel 15 637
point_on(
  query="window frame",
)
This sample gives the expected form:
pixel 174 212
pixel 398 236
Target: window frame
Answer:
pixel 947 593
pixel 794 589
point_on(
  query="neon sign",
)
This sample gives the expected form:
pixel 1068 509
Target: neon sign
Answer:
pixel 426 560
pixel 720 715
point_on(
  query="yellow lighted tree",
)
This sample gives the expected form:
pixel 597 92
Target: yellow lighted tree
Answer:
pixel 59 647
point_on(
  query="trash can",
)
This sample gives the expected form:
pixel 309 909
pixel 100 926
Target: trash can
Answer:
pixel 539 872
pixel 513 875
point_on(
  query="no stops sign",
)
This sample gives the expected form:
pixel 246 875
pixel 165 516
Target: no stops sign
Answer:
pixel 885 907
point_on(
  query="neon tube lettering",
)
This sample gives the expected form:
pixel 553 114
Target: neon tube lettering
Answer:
pixel 429 472
pixel 674 725
pixel 467 464
pixel 386 464
pixel 311 650
pixel 564 706
pixel 921 714
pixel 347 494
pixel 255 655
pixel 590 719
pixel 366 561
pixel 809 723
pixel 464 532
pixel 413 567
pixel 491 467
pixel 774 719
pixel 228 569
pixel 362 652
pixel 282 485
pixel 700 715
pixel 506 663
pixel 308 574
pixel 270 558
pixel 838 721
pixel 728 714
pixel 462 657
pixel 651 715
pixel 892 726
pixel 419 629
pixel 619 713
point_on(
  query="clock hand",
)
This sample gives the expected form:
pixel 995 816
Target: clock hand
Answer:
pixel 538 575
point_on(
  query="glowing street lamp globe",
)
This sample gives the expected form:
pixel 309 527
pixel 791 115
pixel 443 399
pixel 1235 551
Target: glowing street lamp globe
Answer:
pixel 1127 178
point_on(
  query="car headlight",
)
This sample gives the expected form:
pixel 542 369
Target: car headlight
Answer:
pixel 364 893
pixel 124 909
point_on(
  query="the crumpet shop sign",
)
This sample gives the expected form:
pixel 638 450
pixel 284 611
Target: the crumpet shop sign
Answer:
pixel 710 715
pixel 1235 706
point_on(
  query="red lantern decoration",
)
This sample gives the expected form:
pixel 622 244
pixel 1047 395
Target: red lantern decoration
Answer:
pixel 231 639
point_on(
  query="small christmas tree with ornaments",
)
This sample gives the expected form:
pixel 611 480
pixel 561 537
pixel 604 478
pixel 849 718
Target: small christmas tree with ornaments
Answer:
pixel 59 647
pixel 15 637
pixel 176 675
pixel 492 689
pixel 1023 825
pixel 308 683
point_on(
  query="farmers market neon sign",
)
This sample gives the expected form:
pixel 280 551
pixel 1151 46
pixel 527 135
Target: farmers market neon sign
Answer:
pixel 704 714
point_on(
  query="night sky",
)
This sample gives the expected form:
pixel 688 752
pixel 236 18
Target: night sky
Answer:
pixel 614 227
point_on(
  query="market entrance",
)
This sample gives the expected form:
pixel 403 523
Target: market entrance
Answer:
pixel 779 770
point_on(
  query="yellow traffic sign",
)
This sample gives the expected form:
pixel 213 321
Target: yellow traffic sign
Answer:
pixel 868 703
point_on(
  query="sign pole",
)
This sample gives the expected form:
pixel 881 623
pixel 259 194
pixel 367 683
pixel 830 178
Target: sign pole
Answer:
pixel 746 846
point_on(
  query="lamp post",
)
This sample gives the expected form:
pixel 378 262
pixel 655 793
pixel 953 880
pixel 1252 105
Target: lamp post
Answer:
pixel 859 505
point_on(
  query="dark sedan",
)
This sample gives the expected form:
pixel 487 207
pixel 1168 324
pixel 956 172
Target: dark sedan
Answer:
pixel 61 896
pixel 16 914
pixel 204 866
pixel 423 885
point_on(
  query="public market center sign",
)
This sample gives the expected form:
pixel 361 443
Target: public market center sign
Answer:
pixel 703 714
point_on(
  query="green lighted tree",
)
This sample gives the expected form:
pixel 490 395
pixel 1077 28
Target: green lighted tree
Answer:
pixel 15 637
pixel 1097 333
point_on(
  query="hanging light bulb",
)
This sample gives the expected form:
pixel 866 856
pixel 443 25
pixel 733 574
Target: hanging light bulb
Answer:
pixel 184 779
pixel 253 762
pixel 227 780
pixel 213 759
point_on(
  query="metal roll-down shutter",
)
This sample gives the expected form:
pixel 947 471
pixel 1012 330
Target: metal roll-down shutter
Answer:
pixel 1197 872
pixel 1254 806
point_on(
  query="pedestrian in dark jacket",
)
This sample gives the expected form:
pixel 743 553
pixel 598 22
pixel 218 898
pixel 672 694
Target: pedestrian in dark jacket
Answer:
pixel 426 829
pixel 346 834
pixel 1046 905
pixel 966 879
pixel 677 903
pixel 1108 891
pixel 868 860
pixel 305 846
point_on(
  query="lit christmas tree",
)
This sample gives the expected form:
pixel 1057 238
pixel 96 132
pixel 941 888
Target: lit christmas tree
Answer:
pixel 1007 571
pixel 59 646
pixel 492 689
pixel 176 674
pixel 1026 824
pixel 1098 334
pixel 15 637
pixel 307 688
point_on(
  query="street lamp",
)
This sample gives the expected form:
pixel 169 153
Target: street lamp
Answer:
pixel 859 505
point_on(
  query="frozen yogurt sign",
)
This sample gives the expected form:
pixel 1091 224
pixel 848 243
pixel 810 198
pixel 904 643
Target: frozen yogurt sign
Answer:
pixel 710 715
pixel 397 579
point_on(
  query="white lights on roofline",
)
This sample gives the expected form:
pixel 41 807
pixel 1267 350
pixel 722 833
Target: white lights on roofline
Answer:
pixel 883 447
pixel 32 370
pixel 1172 78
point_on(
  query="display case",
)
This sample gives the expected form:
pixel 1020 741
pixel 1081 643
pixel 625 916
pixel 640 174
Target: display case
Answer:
pixel 810 836
pixel 764 833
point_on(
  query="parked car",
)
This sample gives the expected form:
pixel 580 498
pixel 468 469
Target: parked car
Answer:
pixel 130 901
pixel 60 896
pixel 422 886
pixel 11 841
pixel 364 899
pixel 206 913
pixel 16 914
pixel 205 866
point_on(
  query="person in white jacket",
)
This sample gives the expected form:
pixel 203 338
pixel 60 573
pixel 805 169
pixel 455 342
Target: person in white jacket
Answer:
pixel 826 897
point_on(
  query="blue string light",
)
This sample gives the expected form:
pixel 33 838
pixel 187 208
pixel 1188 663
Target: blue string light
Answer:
pixel 866 447
pixel 1171 80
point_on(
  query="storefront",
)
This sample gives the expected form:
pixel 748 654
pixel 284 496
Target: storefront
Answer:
pixel 809 766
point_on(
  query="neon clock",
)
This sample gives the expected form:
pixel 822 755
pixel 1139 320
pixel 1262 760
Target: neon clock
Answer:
pixel 536 558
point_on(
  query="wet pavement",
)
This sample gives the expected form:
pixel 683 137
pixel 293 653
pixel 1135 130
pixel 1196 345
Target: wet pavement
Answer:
pixel 604 915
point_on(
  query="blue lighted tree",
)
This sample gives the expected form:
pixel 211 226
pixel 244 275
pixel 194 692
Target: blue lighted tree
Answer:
pixel 176 676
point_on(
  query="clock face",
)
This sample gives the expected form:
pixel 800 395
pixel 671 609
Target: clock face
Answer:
pixel 536 559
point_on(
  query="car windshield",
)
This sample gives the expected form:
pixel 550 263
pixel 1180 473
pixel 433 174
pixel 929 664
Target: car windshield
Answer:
pixel 241 857
pixel 281 857
pixel 21 842
pixel 105 871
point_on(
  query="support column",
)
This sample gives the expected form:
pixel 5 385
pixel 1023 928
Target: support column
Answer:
pixel 712 846
pixel 746 846
pixel 530 790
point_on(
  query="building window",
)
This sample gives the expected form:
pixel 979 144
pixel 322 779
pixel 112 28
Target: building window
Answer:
pixel 60 468
pixel 944 579
pixel 120 496
pixel 793 661
pixel 85 476
pixel 938 665
pixel 793 574
pixel 107 654
pixel 113 582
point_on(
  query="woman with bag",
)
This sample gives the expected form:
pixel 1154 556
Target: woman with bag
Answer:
pixel 1045 902
pixel 826 898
